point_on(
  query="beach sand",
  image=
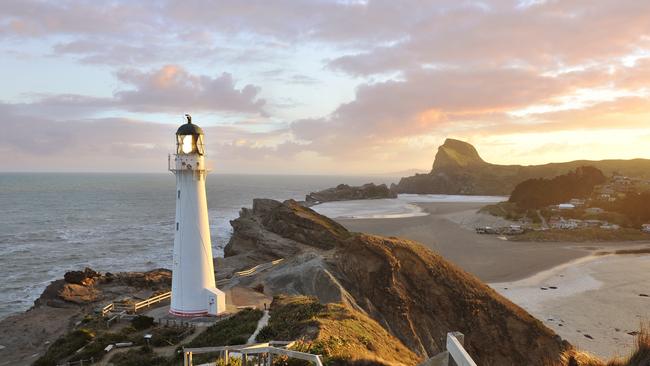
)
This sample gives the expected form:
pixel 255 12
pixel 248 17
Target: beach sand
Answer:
pixel 596 302
pixel 595 295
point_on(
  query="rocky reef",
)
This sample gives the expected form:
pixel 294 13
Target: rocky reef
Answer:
pixel 344 192
pixel 412 292
pixel 66 302
pixel 459 169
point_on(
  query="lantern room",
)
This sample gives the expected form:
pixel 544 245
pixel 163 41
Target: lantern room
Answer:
pixel 189 138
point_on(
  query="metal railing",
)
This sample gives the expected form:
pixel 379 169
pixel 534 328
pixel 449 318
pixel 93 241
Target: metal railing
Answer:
pixel 89 361
pixel 134 307
pixel 264 352
pixel 455 355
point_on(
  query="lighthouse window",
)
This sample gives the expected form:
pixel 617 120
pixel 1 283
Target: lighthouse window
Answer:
pixel 179 193
pixel 176 226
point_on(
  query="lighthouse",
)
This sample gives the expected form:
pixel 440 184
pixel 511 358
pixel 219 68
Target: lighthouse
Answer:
pixel 194 292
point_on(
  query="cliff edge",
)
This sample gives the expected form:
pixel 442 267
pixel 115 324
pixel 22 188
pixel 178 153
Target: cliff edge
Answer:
pixel 412 292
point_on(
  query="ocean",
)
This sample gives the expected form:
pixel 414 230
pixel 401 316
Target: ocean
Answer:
pixel 51 223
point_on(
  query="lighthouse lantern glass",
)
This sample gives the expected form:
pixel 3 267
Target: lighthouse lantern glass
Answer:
pixel 188 144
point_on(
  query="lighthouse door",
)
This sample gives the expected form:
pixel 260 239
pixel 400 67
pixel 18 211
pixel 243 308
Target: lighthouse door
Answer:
pixel 212 304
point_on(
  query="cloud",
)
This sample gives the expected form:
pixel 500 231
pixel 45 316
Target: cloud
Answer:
pixel 545 36
pixel 172 88
pixel 422 71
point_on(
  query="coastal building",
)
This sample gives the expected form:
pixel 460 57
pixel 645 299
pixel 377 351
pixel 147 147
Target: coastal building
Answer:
pixel 194 292
pixel 594 210
pixel 577 202
pixel 566 206
pixel 565 224
pixel 608 226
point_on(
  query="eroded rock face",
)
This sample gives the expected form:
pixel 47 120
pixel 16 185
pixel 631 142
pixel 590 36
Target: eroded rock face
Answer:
pixel 420 296
pixel 79 294
pixel 262 232
pixel 344 192
pixel 86 277
pixel 414 293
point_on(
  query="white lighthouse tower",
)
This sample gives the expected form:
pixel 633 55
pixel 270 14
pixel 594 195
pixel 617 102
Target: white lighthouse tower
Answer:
pixel 193 287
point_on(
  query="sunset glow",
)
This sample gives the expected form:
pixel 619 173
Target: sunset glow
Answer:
pixel 359 87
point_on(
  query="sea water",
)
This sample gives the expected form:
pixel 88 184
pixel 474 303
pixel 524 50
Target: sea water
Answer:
pixel 51 223
pixel 403 206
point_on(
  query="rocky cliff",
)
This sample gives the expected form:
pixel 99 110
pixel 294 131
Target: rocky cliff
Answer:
pixel 415 294
pixel 344 192
pixel 459 169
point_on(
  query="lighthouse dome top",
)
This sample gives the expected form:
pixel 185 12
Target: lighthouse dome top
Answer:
pixel 189 128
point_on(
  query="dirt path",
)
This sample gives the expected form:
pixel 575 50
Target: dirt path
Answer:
pixel 264 320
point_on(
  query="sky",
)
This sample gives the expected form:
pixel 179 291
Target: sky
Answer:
pixel 321 87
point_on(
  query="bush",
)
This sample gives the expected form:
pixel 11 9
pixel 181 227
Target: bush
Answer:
pixel 142 322
pixel 167 336
pixel 139 357
pixel 64 347
pixel 95 349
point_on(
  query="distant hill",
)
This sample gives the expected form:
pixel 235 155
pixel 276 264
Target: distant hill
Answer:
pixel 540 192
pixel 459 169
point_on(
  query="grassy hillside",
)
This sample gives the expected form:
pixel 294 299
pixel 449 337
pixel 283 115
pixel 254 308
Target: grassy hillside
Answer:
pixel 343 336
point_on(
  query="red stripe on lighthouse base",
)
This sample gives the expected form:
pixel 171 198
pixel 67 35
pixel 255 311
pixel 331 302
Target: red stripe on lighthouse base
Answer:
pixel 188 314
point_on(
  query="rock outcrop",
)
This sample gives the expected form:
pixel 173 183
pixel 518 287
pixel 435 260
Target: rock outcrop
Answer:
pixel 65 302
pixel 89 287
pixel 415 294
pixel 344 192
pixel 459 169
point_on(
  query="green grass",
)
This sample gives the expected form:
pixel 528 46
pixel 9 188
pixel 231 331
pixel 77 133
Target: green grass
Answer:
pixel 234 330
pixel 342 336
pixel 289 320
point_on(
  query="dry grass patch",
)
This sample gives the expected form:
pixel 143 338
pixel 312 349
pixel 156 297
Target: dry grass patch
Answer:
pixel 640 356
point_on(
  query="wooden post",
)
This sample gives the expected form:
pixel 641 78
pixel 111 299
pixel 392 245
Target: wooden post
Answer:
pixel 185 359
pixel 244 359
pixel 190 359
pixel 227 356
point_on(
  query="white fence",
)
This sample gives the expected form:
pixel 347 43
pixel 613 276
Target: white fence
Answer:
pixel 455 355
pixel 263 351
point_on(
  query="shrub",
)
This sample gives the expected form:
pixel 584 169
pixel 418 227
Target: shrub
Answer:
pixel 95 349
pixel 138 357
pixel 167 336
pixel 64 347
pixel 142 322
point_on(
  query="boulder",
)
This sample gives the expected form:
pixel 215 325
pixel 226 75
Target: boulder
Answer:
pixel 87 277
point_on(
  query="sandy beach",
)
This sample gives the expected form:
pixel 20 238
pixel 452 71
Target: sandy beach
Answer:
pixel 594 295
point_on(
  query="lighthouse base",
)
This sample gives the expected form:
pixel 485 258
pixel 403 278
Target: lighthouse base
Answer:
pixel 215 304
pixel 216 301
